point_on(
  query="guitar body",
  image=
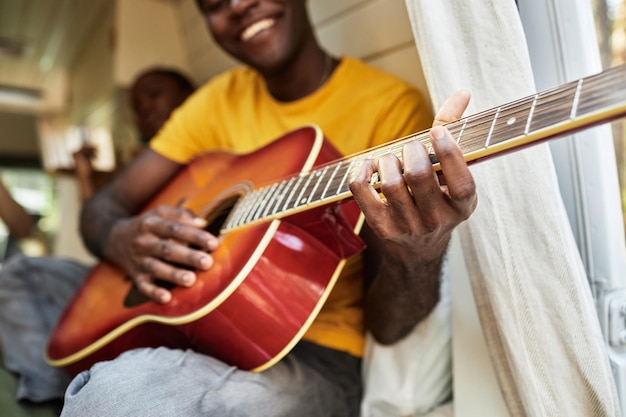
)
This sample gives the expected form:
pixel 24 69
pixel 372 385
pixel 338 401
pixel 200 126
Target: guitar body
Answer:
pixel 269 281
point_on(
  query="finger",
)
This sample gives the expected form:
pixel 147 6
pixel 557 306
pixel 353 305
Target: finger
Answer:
pixel 185 234
pixel 147 287
pixel 180 224
pixel 459 180
pixel 179 214
pixel 175 252
pixel 393 184
pixel 453 108
pixel 157 269
pixel 422 180
pixel 360 184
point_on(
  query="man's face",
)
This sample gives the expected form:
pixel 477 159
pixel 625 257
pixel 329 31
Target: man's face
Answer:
pixel 154 97
pixel 264 34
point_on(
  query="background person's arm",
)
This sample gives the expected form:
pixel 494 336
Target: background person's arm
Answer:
pixel 17 219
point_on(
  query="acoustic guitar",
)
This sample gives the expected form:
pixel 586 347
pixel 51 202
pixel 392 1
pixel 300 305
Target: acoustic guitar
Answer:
pixel 287 224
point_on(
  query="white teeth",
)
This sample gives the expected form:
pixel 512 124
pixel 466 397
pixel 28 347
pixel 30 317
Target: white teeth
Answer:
pixel 255 28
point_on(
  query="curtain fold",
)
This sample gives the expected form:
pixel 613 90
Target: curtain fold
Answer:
pixel 533 299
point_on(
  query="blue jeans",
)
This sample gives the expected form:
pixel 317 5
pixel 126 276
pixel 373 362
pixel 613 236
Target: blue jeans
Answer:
pixel 310 381
pixel 33 293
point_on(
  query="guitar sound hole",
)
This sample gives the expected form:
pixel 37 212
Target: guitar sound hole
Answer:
pixel 218 215
pixel 215 220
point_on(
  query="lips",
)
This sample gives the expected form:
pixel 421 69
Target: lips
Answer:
pixel 256 28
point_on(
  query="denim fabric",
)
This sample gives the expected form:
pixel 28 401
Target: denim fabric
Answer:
pixel 309 382
pixel 33 293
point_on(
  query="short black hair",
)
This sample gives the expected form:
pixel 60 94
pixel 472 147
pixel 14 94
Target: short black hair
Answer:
pixel 184 83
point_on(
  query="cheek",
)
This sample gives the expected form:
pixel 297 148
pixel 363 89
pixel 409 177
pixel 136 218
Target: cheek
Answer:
pixel 167 105
pixel 218 28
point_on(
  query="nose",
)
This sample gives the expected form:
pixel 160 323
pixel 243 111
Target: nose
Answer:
pixel 239 6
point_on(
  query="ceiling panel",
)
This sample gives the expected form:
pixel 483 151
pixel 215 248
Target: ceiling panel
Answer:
pixel 43 37
pixel 39 39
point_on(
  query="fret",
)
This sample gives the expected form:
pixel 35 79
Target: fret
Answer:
pixel 317 190
pixel 254 209
pixel 495 118
pixel 547 114
pixel 513 121
pixel 331 180
pixel 425 139
pixel 602 90
pixel 576 99
pixel 458 139
pixel 344 178
pixel 234 218
pixel 277 196
pixel 340 178
pixel 285 192
pixel 243 208
pixel 289 190
pixel 553 106
pixel 477 129
pixel 294 190
pixel 264 201
pixel 301 200
pixel 531 114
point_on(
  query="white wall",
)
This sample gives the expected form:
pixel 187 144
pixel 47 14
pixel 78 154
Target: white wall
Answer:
pixel 148 33
pixel 376 31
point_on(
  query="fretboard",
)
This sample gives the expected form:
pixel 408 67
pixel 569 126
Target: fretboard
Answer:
pixel 552 113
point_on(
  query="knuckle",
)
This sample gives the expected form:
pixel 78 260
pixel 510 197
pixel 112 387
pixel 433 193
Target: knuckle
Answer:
pixel 431 223
pixel 393 186
pixel 147 222
pixel 165 249
pixel 194 258
pixel 161 210
pixel 148 265
pixel 418 174
pixel 465 192
pixel 173 228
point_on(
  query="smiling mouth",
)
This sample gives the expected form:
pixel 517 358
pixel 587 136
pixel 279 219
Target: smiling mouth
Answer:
pixel 256 28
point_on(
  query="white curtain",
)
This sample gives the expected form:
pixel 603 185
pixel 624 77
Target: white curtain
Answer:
pixel 533 299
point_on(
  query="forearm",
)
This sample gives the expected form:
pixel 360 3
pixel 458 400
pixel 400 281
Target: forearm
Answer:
pixel 85 187
pixel 98 217
pixel 403 292
pixel 14 215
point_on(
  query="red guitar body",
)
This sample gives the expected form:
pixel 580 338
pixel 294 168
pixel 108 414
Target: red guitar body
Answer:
pixel 268 283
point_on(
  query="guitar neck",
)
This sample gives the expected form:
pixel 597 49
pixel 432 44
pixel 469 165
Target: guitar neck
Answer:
pixel 552 113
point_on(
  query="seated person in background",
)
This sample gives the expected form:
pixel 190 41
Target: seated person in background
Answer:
pixel 34 290
pixel 155 93
pixel 17 220
pixel 288 81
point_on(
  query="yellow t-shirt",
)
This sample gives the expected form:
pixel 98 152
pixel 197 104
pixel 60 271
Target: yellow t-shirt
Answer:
pixel 359 107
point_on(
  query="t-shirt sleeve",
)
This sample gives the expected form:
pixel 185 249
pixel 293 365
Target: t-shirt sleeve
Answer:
pixel 408 112
pixel 188 131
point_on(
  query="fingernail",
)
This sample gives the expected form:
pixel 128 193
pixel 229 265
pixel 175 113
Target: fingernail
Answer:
pixel 164 297
pixel 438 133
pixel 212 243
pixel 205 262
pixel 187 279
pixel 199 221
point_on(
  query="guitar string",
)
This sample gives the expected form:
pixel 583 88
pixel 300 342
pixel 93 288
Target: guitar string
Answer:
pixel 551 100
pixel 481 122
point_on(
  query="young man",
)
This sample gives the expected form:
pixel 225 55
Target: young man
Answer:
pixel 34 290
pixel 288 81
